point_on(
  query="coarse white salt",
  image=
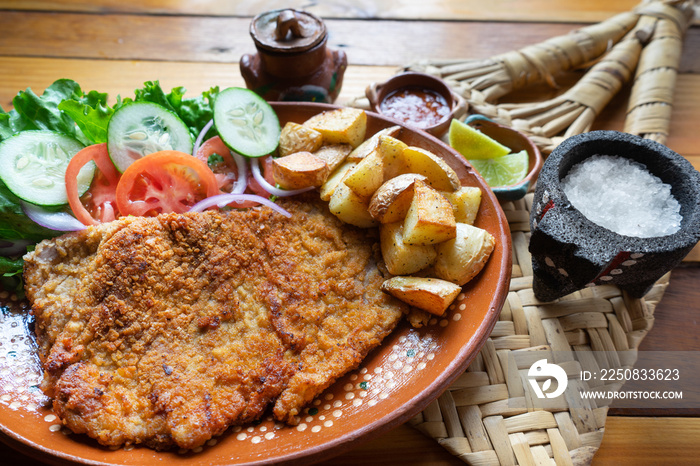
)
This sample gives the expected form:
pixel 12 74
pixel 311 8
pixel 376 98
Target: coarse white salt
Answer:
pixel 621 195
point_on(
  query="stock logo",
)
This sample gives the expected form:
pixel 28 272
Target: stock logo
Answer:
pixel 541 369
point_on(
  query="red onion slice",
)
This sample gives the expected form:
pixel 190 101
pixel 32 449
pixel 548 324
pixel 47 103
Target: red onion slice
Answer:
pixel 200 137
pixel 59 221
pixel 255 167
pixel 242 182
pixel 16 247
pixel 221 200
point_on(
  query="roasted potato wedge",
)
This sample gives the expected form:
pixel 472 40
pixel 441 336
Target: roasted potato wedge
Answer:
pixel 401 258
pixel 439 174
pixel 367 176
pixel 390 202
pixel 367 146
pixel 299 170
pixel 462 258
pixel 350 207
pixel 333 154
pixel 377 166
pixel 429 294
pixel 430 218
pixel 336 177
pixel 392 153
pixel 298 138
pixel 465 203
pixel 340 126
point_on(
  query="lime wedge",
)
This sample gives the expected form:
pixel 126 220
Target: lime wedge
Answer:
pixel 472 143
pixel 503 171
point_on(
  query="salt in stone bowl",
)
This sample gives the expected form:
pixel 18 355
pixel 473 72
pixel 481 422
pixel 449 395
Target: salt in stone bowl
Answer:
pixel 570 252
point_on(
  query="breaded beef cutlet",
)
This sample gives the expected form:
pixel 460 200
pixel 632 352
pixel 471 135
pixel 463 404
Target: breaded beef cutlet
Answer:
pixel 165 331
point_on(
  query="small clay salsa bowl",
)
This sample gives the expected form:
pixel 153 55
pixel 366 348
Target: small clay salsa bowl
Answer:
pixel 570 252
pixel 515 141
pixel 417 100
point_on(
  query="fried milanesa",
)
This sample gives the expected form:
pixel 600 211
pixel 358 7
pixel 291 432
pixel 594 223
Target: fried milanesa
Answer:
pixel 165 331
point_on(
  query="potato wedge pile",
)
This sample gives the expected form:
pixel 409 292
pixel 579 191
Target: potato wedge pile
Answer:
pixel 425 216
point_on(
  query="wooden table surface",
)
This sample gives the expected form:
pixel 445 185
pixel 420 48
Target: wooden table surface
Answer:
pixel 115 45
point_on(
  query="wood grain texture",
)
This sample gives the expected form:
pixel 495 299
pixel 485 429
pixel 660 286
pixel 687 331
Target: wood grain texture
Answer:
pixel 676 329
pixel 637 441
pixel 627 441
pixel 225 39
pixel 472 10
pixel 121 77
pixel 649 441
pixel 677 317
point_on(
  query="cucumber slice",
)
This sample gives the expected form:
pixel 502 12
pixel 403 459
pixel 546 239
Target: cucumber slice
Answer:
pixel 246 122
pixel 141 128
pixel 33 166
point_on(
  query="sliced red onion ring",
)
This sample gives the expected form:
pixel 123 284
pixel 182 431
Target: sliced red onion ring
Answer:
pixel 15 247
pixel 59 221
pixel 221 200
pixel 255 166
pixel 200 137
pixel 242 181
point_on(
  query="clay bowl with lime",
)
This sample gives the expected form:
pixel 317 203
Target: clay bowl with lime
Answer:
pixel 507 159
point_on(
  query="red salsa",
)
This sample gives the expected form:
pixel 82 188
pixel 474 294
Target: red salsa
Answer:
pixel 417 107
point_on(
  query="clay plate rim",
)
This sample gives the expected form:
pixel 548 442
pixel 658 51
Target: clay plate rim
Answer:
pixel 495 276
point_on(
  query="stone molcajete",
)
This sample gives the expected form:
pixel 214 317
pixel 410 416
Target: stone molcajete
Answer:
pixel 569 252
pixel 292 62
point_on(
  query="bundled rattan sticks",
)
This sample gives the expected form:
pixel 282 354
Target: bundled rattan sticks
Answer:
pixel 488 79
pixel 651 98
pixel 574 111
pixel 645 43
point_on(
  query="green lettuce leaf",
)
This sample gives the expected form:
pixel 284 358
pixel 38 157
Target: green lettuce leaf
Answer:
pixel 43 113
pixel 14 224
pixel 10 267
pixel 195 112
pixel 11 276
pixel 91 113
pixel 198 111
pixel 11 123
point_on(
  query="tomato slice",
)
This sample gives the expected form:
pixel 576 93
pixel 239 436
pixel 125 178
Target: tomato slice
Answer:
pixel 266 169
pixel 226 171
pixel 99 203
pixel 164 182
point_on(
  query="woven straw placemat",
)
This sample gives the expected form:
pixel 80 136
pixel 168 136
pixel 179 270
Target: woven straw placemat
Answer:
pixel 490 415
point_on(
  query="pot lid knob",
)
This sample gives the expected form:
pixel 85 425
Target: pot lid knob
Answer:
pixel 287 30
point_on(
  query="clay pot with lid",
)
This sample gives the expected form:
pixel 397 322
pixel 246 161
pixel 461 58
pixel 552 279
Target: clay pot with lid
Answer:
pixel 292 62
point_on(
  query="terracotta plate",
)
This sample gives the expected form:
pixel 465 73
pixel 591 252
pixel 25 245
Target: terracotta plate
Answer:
pixel 393 384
